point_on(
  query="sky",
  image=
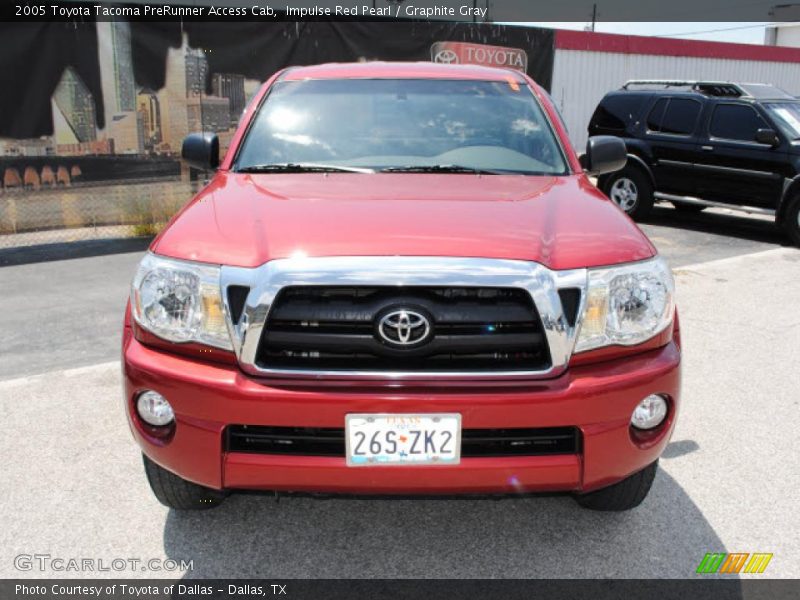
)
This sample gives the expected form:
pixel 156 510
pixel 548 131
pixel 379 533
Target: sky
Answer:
pixel 743 33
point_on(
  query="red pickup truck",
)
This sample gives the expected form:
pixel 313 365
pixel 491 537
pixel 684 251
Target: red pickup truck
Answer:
pixel 400 280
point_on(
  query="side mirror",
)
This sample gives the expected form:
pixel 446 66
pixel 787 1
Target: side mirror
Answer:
pixel 604 154
pixel 767 136
pixel 201 151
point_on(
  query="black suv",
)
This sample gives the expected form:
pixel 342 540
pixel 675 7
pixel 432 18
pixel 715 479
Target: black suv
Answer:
pixel 704 143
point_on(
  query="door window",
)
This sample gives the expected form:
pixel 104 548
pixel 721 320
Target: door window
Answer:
pixel 736 122
pixel 680 116
pixel 657 115
pixel 676 116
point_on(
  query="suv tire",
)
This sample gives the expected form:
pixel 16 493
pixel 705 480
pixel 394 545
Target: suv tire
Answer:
pixel 174 492
pixel 791 221
pixel 625 495
pixel 631 190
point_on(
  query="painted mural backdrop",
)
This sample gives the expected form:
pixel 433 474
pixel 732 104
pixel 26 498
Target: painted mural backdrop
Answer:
pixel 92 115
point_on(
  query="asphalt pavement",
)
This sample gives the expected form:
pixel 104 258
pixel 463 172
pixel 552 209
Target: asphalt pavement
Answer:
pixel 74 484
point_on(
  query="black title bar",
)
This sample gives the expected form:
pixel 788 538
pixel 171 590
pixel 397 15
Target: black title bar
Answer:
pixel 502 11
pixel 709 588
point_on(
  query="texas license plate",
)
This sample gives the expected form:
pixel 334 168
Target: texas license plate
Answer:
pixel 391 439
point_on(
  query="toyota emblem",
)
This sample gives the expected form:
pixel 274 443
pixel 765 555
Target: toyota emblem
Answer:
pixel 446 56
pixel 404 327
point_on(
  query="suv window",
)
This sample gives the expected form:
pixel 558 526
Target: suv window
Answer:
pixel 657 114
pixel 677 116
pixel 615 113
pixel 736 122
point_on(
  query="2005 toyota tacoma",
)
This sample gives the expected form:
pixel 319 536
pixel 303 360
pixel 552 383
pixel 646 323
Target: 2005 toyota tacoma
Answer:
pixel 400 280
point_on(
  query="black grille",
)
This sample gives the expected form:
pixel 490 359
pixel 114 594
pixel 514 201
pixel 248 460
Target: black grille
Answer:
pixel 335 328
pixel 315 441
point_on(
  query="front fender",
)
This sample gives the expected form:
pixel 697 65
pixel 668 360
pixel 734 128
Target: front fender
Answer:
pixel 633 159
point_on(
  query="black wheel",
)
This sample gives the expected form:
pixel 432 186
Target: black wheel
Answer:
pixel 791 221
pixel 688 208
pixel 625 495
pixel 177 493
pixel 631 190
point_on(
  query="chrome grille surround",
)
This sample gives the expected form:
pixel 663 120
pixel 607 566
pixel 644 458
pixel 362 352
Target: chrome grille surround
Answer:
pixel 267 280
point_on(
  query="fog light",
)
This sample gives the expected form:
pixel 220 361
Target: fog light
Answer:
pixel 650 412
pixel 154 409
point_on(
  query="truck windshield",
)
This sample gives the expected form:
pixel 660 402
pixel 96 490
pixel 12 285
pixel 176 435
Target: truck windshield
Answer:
pixel 787 117
pixel 419 125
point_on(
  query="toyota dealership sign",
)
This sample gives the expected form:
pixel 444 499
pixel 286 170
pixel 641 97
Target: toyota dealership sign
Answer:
pixel 479 54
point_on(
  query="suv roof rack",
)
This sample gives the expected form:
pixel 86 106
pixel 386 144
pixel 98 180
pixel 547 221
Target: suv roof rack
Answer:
pixel 762 91
pixel 711 88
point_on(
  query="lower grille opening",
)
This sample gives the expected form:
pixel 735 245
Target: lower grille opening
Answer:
pixel 317 441
pixel 520 442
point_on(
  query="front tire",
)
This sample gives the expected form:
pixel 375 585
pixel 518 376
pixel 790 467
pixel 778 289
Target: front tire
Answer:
pixel 174 492
pixel 625 495
pixel 791 223
pixel 631 190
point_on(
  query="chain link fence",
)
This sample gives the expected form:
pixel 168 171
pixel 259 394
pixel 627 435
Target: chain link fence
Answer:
pixel 90 211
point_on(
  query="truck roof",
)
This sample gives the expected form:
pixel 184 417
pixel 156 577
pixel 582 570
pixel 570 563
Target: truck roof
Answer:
pixel 401 70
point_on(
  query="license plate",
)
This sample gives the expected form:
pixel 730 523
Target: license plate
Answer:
pixel 390 439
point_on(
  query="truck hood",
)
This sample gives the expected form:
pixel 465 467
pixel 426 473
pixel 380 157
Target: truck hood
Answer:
pixel 246 220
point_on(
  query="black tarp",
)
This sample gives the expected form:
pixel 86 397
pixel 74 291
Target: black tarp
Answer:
pixel 33 59
pixel 35 55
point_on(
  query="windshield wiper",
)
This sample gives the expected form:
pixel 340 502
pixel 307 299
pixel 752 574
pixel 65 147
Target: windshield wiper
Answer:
pixel 290 167
pixel 439 169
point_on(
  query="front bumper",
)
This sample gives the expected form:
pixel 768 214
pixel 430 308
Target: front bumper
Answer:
pixel 598 399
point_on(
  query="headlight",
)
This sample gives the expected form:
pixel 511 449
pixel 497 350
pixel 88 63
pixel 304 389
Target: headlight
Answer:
pixel 627 305
pixel 180 301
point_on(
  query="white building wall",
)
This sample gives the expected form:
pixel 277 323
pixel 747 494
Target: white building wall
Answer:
pixel 788 36
pixel 783 34
pixel 582 78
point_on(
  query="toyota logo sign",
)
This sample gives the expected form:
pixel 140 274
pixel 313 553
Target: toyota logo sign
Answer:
pixel 466 53
pixel 446 56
